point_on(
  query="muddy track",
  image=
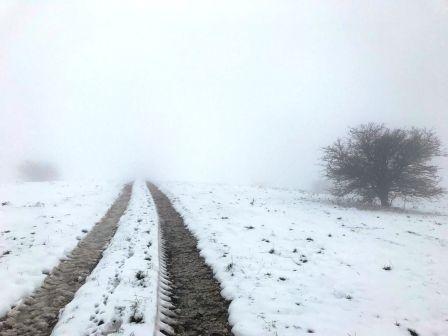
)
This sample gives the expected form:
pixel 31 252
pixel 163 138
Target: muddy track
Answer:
pixel 198 304
pixel 38 314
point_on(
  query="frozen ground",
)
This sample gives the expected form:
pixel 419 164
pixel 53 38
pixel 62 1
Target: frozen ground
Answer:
pixel 40 223
pixel 120 295
pixel 295 264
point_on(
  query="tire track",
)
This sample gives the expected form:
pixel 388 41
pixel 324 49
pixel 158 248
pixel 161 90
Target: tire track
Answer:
pixel 38 314
pixel 196 295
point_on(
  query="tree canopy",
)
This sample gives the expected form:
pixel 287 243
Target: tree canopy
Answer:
pixel 376 162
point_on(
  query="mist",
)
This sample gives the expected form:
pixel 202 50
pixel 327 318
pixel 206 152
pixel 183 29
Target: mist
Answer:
pixel 243 92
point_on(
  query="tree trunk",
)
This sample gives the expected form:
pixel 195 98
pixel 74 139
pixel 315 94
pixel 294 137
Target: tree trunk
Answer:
pixel 384 198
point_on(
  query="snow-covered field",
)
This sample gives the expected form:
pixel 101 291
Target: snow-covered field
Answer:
pixel 295 264
pixel 292 263
pixel 120 296
pixel 40 223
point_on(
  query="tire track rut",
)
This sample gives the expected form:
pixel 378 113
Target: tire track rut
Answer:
pixel 196 295
pixel 38 314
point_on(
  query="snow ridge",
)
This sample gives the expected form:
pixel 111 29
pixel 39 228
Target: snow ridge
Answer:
pixel 120 295
pixel 164 316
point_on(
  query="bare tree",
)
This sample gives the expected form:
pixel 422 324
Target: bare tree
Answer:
pixel 376 162
pixel 35 171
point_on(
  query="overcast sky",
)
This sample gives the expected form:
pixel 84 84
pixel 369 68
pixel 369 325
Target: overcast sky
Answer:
pixel 231 91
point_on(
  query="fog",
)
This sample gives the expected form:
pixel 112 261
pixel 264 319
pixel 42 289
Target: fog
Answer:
pixel 240 92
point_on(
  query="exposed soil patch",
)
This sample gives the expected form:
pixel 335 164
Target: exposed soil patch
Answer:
pixel 200 308
pixel 38 314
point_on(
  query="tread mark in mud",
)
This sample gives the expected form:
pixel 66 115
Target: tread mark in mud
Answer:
pixel 38 314
pixel 196 295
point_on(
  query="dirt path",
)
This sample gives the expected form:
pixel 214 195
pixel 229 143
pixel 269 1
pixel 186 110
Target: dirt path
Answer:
pixel 38 314
pixel 200 308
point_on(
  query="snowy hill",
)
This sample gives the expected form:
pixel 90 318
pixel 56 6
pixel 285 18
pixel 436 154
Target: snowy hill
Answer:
pixel 293 263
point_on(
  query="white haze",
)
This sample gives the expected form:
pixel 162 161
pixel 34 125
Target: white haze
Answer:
pixel 228 91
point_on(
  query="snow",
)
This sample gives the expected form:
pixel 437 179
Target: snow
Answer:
pixel 294 263
pixel 40 223
pixel 120 295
